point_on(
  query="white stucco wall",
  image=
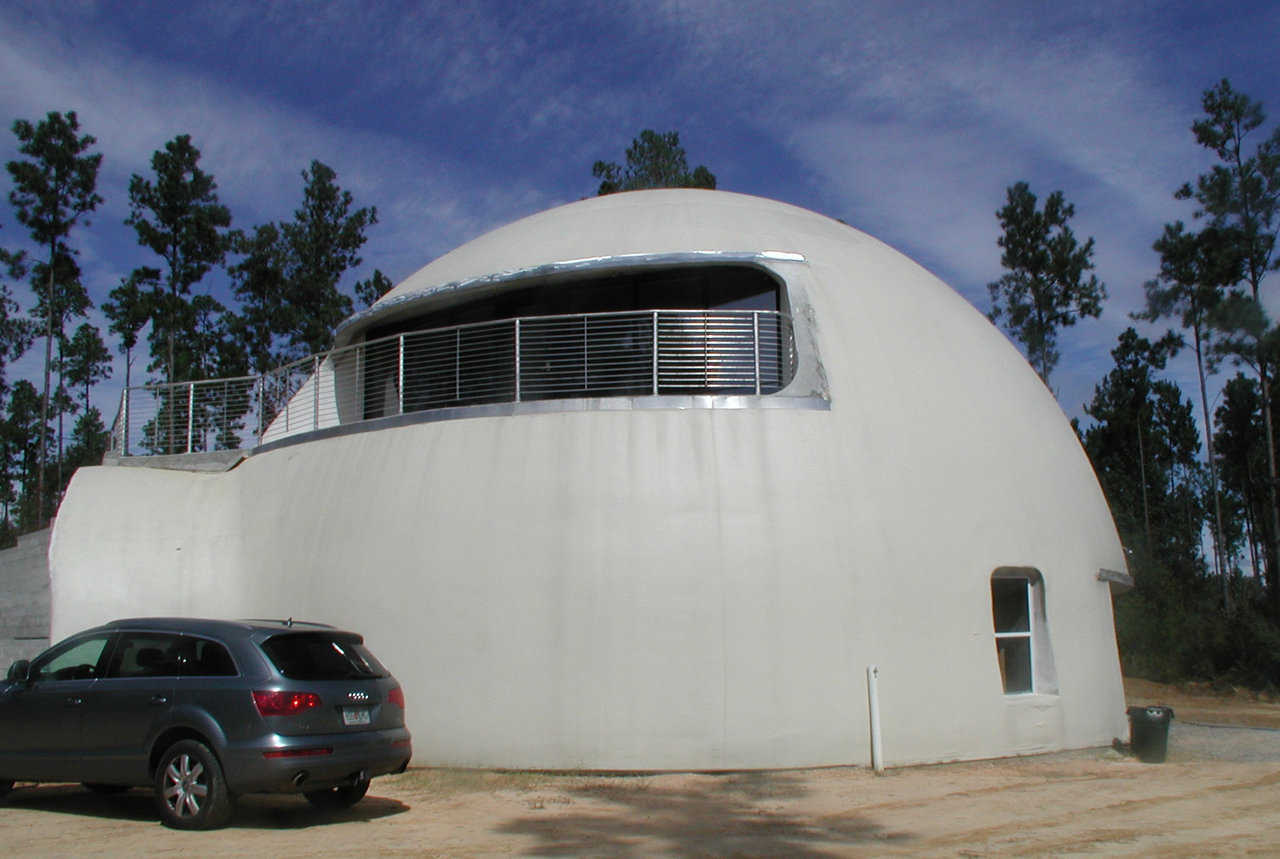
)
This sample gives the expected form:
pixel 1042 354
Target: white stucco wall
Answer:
pixel 668 588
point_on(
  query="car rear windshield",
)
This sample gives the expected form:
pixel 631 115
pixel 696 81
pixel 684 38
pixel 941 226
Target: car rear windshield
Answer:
pixel 322 656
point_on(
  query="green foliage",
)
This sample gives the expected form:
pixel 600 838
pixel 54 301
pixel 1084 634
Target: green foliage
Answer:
pixel 1044 287
pixel 54 187
pixel 1242 461
pixel 1240 198
pixel 88 442
pixel 1194 269
pixel 369 291
pixel 653 161
pixel 323 241
pixel 129 310
pixel 69 297
pixel 1241 191
pixel 178 217
pixel 1144 448
pixel 288 279
pixel 258 282
pixel 16 332
pixel 86 360
pixel 1171 628
pixel 24 441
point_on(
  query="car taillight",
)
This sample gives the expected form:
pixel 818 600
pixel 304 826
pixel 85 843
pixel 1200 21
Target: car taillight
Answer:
pixel 396 696
pixel 284 703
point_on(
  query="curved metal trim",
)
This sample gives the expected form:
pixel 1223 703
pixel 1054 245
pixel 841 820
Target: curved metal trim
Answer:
pixel 357 322
pixel 539 407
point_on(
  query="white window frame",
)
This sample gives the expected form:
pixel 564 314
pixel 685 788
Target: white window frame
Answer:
pixel 1029 634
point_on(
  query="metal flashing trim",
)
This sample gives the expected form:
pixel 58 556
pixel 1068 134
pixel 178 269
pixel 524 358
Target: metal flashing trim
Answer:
pixel 1116 579
pixel 540 407
pixel 364 318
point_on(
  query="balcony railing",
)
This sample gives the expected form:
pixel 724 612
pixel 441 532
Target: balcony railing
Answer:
pixel 627 354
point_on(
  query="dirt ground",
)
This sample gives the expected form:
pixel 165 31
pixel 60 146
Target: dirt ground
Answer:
pixel 1218 794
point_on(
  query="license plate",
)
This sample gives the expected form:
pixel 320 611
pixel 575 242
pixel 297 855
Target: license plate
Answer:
pixel 355 715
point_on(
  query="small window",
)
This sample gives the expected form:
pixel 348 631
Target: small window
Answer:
pixel 1023 650
pixel 1011 607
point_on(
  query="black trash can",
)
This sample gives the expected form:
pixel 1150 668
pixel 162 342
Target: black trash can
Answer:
pixel 1149 732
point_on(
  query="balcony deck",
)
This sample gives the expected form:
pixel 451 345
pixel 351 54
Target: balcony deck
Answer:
pixel 465 370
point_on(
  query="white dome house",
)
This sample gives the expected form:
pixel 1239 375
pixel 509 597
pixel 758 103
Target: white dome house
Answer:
pixel 648 481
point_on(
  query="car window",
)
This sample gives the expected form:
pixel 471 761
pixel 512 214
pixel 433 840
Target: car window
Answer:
pixel 322 656
pixel 205 658
pixel 146 654
pixel 75 660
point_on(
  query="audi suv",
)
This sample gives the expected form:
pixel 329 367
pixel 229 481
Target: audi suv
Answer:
pixel 202 711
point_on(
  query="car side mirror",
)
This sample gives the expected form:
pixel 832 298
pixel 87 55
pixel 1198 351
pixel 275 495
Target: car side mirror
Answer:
pixel 19 672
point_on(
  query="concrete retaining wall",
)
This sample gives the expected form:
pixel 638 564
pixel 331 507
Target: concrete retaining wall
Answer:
pixel 24 598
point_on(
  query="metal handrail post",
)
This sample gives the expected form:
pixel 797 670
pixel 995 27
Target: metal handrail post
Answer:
pixel 191 411
pixel 755 318
pixel 315 392
pixel 124 414
pixel 655 353
pixel 359 406
pixel 261 385
pixel 517 360
pixel 400 378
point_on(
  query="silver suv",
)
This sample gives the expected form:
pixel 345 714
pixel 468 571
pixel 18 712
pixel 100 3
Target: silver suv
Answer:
pixel 204 710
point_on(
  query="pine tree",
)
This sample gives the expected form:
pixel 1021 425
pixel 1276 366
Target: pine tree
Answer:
pixel 1044 288
pixel 54 189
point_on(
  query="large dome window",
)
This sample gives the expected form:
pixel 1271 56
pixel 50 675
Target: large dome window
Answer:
pixel 561 336
pixel 680 330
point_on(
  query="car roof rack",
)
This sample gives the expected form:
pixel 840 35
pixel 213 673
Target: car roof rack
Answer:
pixel 288 622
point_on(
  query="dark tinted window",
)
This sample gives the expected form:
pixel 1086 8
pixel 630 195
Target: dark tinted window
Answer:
pixel 321 656
pixel 1014 655
pixel 146 654
pixel 205 658
pixel 703 287
pixel 1009 605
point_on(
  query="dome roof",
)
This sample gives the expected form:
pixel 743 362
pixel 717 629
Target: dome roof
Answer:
pixel 624 226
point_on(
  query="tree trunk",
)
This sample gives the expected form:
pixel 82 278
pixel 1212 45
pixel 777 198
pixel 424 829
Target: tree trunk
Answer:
pixel 1274 554
pixel 1142 475
pixel 44 400
pixel 1213 472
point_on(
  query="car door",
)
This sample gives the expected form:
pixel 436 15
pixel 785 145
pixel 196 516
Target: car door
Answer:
pixel 41 719
pixel 128 705
pixel 211 688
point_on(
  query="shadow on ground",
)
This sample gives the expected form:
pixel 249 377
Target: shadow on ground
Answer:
pixel 741 814
pixel 252 812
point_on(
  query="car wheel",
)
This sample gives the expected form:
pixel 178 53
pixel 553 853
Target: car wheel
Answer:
pixel 6 785
pixel 105 789
pixel 335 798
pixel 190 790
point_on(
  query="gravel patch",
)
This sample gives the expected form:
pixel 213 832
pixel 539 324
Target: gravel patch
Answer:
pixel 1197 741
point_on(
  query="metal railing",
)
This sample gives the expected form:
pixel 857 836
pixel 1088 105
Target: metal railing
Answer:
pixel 633 353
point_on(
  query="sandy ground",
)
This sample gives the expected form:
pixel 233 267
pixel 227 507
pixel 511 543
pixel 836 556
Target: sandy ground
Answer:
pixel 1218 794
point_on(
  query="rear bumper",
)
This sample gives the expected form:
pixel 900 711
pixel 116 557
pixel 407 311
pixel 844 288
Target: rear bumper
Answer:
pixel 314 762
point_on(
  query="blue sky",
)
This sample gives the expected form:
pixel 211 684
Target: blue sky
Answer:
pixel 906 120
